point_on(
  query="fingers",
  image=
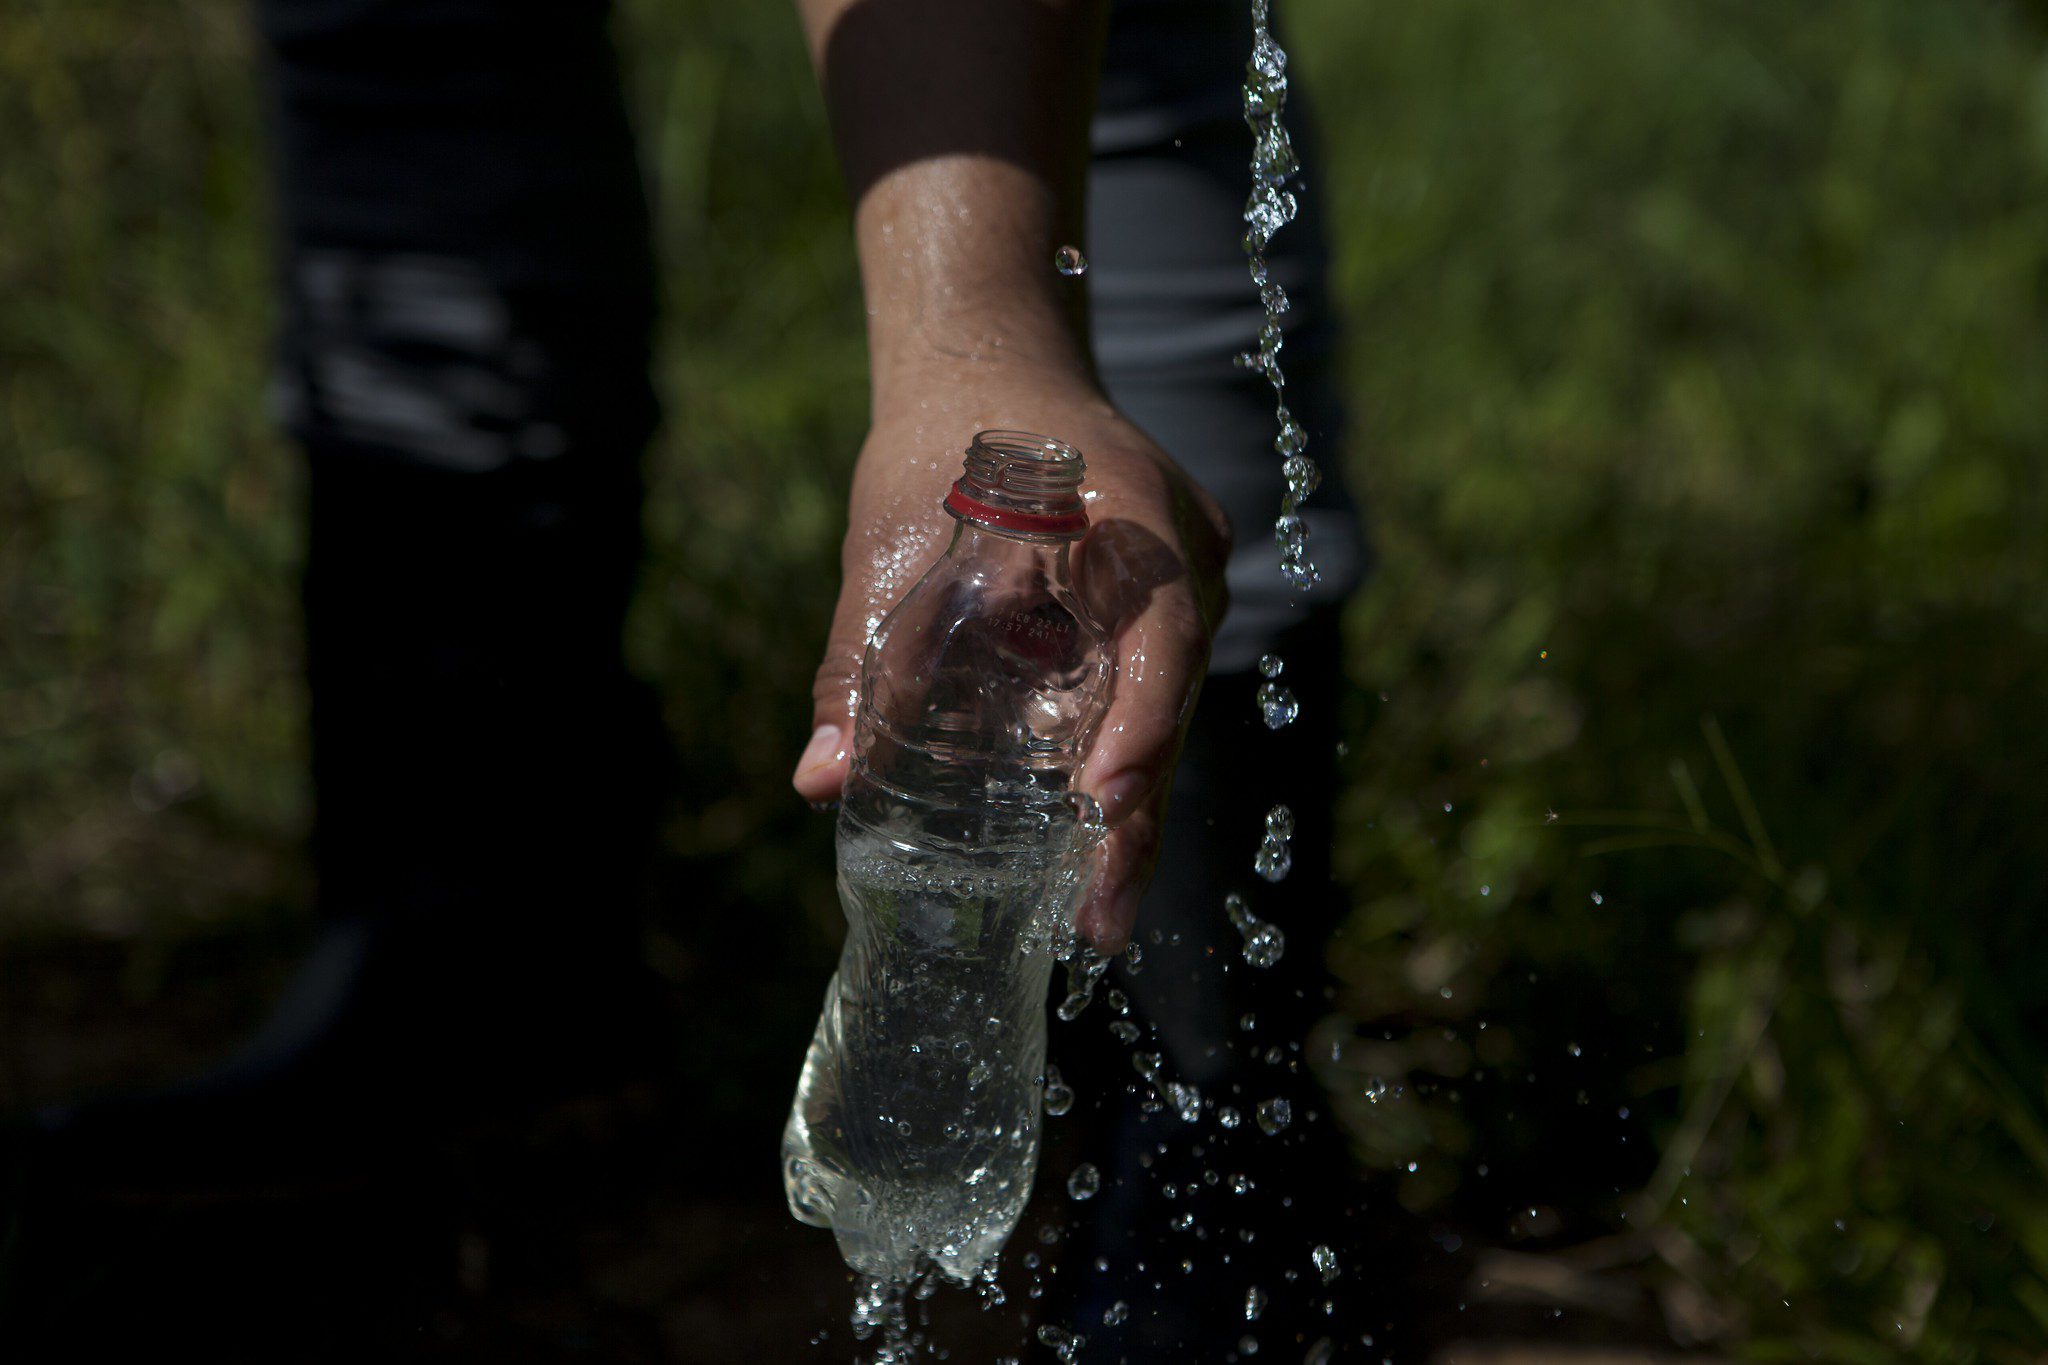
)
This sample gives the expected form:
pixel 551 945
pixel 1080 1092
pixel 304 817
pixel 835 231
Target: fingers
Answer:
pixel 822 767
pixel 1161 658
pixel 1110 910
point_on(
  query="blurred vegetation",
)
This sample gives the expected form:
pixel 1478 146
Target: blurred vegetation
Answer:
pixel 1698 350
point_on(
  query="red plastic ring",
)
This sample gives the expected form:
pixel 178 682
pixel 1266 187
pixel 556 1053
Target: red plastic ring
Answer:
pixel 964 504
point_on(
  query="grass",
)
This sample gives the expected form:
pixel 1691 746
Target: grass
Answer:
pixel 1699 355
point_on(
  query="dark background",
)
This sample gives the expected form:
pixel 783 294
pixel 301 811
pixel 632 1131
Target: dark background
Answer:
pixel 1698 355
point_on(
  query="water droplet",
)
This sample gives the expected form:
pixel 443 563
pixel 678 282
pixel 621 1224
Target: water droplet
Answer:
pixel 1242 1184
pixel 1277 705
pixel 1254 1303
pixel 1124 1031
pixel 1598 899
pixel 1059 1096
pixel 1274 1115
pixel 1575 1049
pixel 1280 822
pixel 1084 1182
pixel 1263 941
pixel 1183 1221
pixel 1271 665
pixel 1186 1100
pixel 1116 1314
pixel 1066 1345
pixel 1134 957
pixel 1247 1022
pixel 1274 860
pixel 1325 1261
pixel 1375 1090
pixel 1302 475
pixel 1084 970
pixel 1229 1117
pixel 1069 261
pixel 1247 1345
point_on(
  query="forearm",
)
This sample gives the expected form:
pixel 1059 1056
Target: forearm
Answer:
pixel 961 126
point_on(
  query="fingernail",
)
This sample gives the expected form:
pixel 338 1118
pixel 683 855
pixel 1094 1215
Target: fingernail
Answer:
pixel 1118 795
pixel 823 749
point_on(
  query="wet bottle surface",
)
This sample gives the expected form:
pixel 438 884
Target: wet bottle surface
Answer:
pixel 914 1133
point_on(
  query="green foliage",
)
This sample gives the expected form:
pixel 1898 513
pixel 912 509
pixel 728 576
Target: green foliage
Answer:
pixel 1698 356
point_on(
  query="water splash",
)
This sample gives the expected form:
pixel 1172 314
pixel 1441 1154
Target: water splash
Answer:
pixel 1084 970
pixel 1263 941
pixel 878 1307
pixel 1064 1344
pixel 1271 207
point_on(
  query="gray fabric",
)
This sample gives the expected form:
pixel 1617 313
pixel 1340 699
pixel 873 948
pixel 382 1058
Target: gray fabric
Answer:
pixel 1173 304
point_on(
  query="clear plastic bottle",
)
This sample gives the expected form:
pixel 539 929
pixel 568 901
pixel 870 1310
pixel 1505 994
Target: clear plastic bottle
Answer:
pixel 914 1134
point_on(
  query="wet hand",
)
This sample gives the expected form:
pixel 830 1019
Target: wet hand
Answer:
pixel 1150 571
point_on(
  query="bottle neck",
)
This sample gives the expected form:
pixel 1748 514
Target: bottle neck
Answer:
pixel 1021 485
pixel 1009 551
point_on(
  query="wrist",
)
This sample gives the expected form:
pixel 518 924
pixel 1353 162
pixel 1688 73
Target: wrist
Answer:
pixel 995 357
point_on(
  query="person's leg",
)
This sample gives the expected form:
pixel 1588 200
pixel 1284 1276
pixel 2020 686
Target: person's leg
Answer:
pixel 468 291
pixel 466 309
pixel 466 302
pixel 1194 1216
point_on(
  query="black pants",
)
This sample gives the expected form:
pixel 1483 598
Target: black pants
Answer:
pixel 467 281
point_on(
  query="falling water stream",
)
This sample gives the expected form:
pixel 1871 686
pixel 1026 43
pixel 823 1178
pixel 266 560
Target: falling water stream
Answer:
pixel 883 1309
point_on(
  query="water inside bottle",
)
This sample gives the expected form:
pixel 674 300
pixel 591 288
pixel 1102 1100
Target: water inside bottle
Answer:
pixel 921 1140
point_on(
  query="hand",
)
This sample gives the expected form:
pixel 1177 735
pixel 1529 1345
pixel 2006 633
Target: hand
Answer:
pixel 1150 571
